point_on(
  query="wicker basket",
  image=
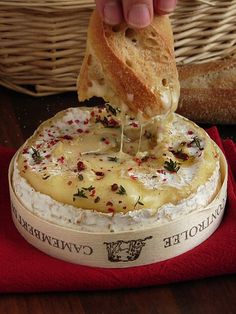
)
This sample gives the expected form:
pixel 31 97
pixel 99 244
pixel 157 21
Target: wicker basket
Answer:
pixel 42 42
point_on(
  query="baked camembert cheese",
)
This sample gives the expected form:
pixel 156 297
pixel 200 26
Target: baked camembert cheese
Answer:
pixel 128 166
pixel 74 171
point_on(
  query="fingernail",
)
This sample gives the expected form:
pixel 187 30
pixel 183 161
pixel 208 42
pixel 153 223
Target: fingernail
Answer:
pixel 112 13
pixel 139 15
pixel 166 5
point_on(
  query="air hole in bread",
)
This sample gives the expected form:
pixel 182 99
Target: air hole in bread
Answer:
pixel 90 84
pixel 153 34
pixel 150 42
pixel 131 34
pixel 164 82
pixel 129 63
pixel 101 81
pixel 89 60
pixel 165 57
pixel 107 34
pixel 116 28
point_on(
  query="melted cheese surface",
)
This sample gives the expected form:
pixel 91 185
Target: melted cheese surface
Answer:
pixel 76 159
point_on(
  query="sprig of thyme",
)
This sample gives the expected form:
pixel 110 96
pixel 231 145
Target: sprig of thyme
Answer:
pixel 80 177
pixel 111 109
pixel 80 193
pixel 36 155
pixel 46 177
pixel 171 166
pixel 90 188
pixel 121 191
pixel 115 159
pixel 138 202
pixel 196 141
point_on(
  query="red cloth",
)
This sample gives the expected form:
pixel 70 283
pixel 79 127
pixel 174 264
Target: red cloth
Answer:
pixel 25 269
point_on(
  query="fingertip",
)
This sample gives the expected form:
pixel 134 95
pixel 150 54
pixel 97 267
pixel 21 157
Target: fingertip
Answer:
pixel 138 15
pixel 112 12
pixel 163 7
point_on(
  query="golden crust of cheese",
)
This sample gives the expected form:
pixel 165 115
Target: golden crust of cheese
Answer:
pixel 75 158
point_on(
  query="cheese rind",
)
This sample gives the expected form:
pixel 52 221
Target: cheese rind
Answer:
pixel 93 221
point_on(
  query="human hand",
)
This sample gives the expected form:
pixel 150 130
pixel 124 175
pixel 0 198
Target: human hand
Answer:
pixel 137 13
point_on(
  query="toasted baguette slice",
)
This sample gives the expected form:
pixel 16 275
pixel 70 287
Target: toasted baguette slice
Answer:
pixel 208 91
pixel 132 67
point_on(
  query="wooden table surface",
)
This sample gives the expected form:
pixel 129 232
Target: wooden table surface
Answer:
pixel 20 115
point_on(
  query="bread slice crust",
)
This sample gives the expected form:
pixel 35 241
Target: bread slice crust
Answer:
pixel 208 92
pixel 131 67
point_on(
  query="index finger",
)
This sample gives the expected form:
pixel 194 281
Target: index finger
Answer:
pixel 164 6
pixel 110 11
